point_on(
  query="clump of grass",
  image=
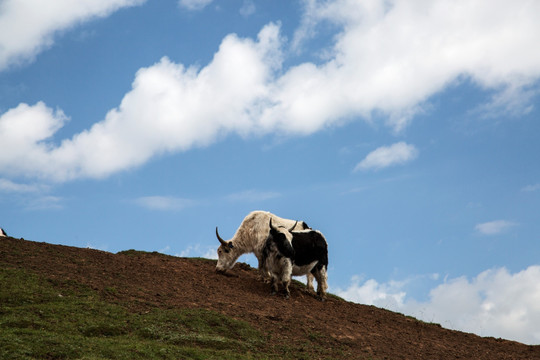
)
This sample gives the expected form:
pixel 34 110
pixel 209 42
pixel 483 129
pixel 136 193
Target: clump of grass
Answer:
pixel 44 319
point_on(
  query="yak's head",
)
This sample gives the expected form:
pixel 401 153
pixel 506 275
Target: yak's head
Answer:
pixel 282 238
pixel 227 254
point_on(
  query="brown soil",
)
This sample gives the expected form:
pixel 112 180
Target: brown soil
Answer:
pixel 343 329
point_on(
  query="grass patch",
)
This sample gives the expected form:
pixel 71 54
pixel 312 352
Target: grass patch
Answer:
pixel 45 319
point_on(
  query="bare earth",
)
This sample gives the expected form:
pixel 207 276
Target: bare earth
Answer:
pixel 344 329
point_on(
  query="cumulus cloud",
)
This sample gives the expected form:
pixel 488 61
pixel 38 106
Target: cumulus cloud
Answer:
pixel 28 26
pixel 427 46
pixel 173 108
pixel 23 131
pixel 385 156
pixel 494 303
pixel 170 108
pixel 207 252
pixel 370 292
pixel 494 227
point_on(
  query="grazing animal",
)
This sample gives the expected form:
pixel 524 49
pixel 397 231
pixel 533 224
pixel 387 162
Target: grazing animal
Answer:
pixel 3 233
pixel 250 237
pixel 294 253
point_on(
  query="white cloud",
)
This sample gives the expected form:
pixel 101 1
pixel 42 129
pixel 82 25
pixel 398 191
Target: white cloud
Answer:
pixel 253 196
pixel 208 252
pixel 32 196
pixel 248 8
pixel 531 188
pixel 45 202
pixel 515 100
pixel 194 4
pixel 12 187
pixel 165 250
pixel 494 227
pixel 23 131
pixel 385 156
pixel 167 110
pixel 427 47
pixel 28 26
pixel 390 295
pixel 494 303
pixel 164 203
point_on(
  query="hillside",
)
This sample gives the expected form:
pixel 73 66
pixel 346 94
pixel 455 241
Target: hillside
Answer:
pixel 300 327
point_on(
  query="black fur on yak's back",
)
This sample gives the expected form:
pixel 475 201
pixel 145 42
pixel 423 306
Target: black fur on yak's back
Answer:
pixel 310 246
pixel 306 246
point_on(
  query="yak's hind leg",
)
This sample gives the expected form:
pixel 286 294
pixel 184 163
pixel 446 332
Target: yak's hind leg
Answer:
pixel 286 276
pixel 322 281
pixel 309 277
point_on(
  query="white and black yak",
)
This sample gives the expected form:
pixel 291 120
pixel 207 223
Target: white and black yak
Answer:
pixel 289 253
pixel 250 237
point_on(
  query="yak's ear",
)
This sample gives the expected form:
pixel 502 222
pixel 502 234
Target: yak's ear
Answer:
pixel 231 245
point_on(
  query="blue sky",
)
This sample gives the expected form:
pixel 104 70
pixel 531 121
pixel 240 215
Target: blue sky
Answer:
pixel 406 131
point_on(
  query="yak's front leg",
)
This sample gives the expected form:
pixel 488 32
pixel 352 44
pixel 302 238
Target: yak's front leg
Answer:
pixel 287 291
pixel 264 274
pixel 273 286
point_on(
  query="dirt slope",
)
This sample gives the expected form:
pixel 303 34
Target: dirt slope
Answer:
pixel 344 329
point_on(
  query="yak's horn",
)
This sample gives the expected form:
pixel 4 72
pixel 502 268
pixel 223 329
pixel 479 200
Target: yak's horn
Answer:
pixel 291 229
pixel 223 242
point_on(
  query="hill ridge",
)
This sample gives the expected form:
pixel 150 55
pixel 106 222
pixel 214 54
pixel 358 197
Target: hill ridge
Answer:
pixel 347 330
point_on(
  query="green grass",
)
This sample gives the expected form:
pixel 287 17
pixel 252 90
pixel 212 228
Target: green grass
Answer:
pixel 46 319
